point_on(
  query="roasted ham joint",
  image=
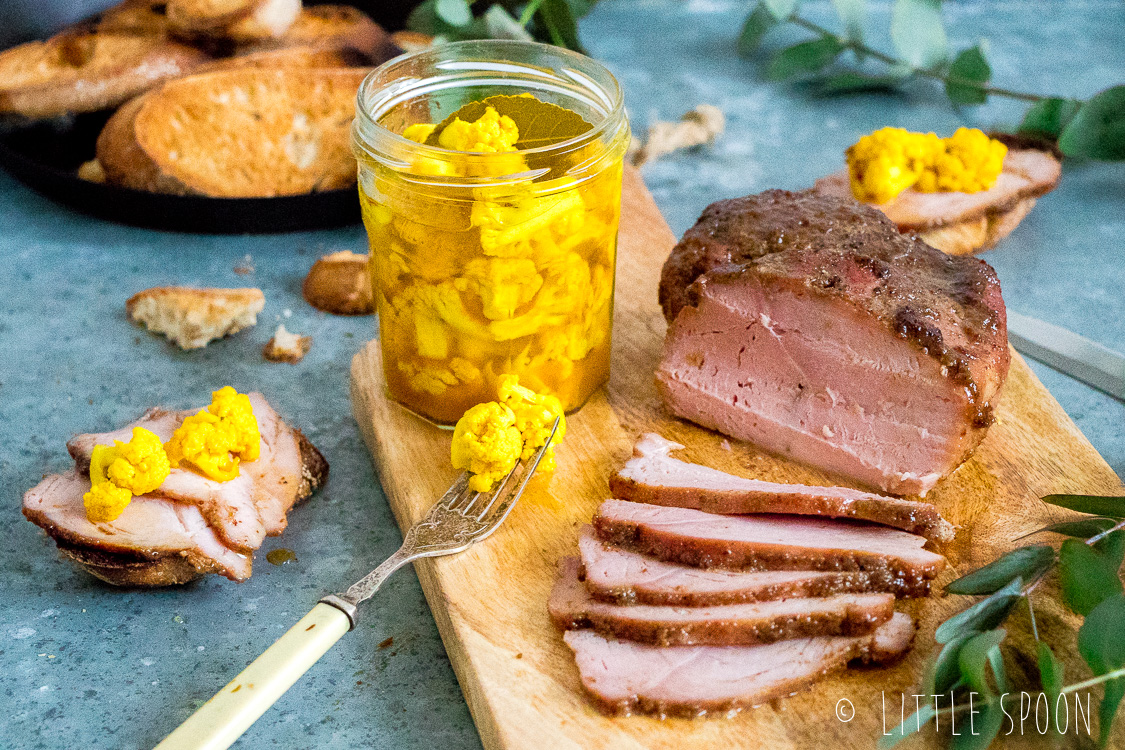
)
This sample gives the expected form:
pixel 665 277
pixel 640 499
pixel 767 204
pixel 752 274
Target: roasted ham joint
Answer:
pixel 191 524
pixel 809 325
pixel 703 592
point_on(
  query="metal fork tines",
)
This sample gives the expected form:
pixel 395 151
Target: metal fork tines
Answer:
pixel 455 522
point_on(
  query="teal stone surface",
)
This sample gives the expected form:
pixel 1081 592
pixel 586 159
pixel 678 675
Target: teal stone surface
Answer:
pixel 85 665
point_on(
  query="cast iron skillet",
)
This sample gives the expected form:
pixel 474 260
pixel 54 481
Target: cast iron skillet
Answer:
pixel 45 157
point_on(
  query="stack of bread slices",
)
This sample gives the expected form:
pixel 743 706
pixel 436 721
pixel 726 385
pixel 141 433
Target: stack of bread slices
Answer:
pixel 222 98
pixel 702 592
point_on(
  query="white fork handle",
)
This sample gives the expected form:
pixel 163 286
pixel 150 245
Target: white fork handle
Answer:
pixel 222 720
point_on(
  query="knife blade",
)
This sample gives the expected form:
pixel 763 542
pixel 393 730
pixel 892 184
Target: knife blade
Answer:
pixel 1069 353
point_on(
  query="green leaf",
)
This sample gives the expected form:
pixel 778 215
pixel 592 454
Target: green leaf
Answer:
pixel 1023 562
pixel 1095 505
pixel 781 9
pixel 803 58
pixel 976 654
pixel 945 670
pixel 560 24
pixel 1101 641
pixel 1097 131
pixel 1048 118
pixel 918 33
pixel 984 615
pixel 1111 699
pixel 850 82
pixel 501 25
pixel 757 25
pixel 454 12
pixel 1087 576
pixel 969 67
pixel 909 726
pixel 978 732
pixel 853 14
pixel 1051 673
pixel 1083 529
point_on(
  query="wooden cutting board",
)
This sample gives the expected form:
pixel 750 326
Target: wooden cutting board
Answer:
pixel 490 603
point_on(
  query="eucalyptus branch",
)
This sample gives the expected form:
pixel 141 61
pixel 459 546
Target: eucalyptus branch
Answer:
pixel 934 73
pixel 1093 681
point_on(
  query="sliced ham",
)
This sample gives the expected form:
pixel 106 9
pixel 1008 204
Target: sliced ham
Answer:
pixel 571 606
pixel 811 327
pixel 768 542
pixel 190 525
pixel 653 476
pixel 244 510
pixel 624 677
pixel 619 576
pixel 148 529
pixel 1028 174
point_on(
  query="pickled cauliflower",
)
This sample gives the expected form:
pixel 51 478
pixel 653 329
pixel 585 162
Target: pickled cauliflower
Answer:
pixel 122 470
pixel 491 437
pixel 487 443
pixel 884 163
pixel 214 441
pixel 479 280
pixel 535 416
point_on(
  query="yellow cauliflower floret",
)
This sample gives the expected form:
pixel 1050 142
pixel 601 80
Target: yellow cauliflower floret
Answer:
pixel 535 415
pixel 506 222
pixel 216 439
pixel 436 379
pixel 489 134
pixel 487 443
pixel 883 164
pixel 970 163
pixel 418 132
pixel 120 471
pixel 503 284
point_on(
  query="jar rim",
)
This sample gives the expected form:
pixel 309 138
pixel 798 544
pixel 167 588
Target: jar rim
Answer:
pixel 367 127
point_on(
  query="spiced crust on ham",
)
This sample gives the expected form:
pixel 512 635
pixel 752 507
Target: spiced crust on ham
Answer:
pixel 963 223
pixel 189 527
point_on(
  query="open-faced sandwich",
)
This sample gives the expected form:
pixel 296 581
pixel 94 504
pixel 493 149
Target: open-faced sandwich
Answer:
pixel 960 194
pixel 177 495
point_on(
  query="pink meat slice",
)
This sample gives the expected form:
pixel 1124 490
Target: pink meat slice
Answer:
pixel 624 677
pixel 244 510
pixel 653 476
pixel 149 526
pixel 571 606
pixel 1028 173
pixel 768 542
pixel 619 576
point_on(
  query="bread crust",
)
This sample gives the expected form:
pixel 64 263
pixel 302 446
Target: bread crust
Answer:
pixel 978 234
pixel 139 569
pixel 335 27
pixel 88 71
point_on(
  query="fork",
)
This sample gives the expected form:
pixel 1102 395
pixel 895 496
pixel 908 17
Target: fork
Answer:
pixel 455 522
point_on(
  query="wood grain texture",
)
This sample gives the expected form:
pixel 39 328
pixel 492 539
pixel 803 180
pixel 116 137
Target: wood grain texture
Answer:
pixel 490 603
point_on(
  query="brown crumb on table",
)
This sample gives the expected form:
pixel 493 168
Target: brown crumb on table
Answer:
pixel 246 267
pixel 387 643
pixel 698 127
pixel 286 347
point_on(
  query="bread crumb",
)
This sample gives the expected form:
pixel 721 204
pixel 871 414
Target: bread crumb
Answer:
pixel 725 445
pixel 411 41
pixel 286 347
pixel 192 318
pixel 698 127
pixel 91 171
pixel 339 283
pixel 246 267
pixel 387 643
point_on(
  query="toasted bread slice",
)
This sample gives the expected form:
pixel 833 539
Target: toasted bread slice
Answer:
pixel 338 283
pixel 237 134
pixel 87 71
pixel 270 20
pixel 237 20
pixel 194 317
pixel 137 17
pixel 963 223
pixel 289 57
pixel 335 27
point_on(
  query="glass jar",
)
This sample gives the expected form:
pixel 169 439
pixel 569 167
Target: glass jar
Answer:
pixel 485 264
